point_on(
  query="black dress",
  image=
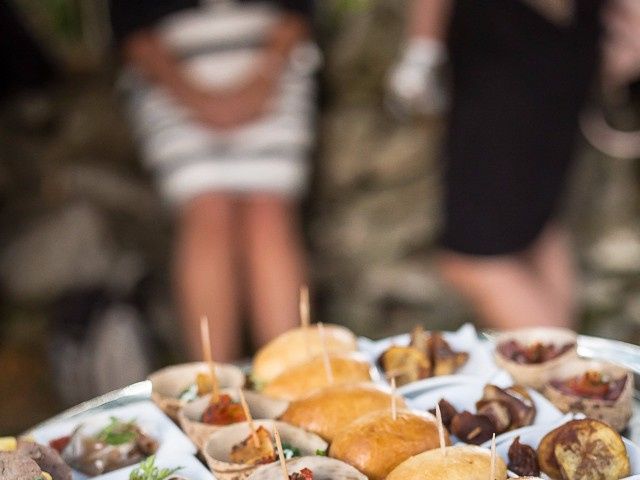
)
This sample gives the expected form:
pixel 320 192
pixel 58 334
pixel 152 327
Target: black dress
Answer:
pixel 519 83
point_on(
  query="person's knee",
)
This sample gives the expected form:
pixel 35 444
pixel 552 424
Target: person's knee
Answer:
pixel 455 269
pixel 464 271
pixel 208 213
pixel 267 209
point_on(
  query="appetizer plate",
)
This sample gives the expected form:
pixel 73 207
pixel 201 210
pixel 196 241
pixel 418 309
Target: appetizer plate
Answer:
pixel 533 435
pixel 147 415
pixel 479 366
pixel 464 397
pixel 190 469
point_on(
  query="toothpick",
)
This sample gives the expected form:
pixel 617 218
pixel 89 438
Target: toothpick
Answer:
pixel 283 462
pixel 205 337
pixel 493 457
pixel 325 354
pixel 305 317
pixel 394 408
pixel 396 372
pixel 440 428
pixel 247 414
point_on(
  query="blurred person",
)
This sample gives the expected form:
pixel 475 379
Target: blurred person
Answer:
pixel 521 72
pixel 221 96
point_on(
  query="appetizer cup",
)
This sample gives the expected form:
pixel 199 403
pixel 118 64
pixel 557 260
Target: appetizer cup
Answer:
pixel 260 406
pixel 615 412
pixel 536 375
pixel 168 383
pixel 217 450
pixel 323 468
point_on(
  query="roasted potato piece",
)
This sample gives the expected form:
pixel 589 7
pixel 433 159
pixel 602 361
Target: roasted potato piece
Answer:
pixel 419 338
pixel 546 454
pixel 445 360
pixel 523 460
pixel 450 364
pixel 406 364
pixel 497 411
pixel 204 383
pixel 473 429
pixel 590 449
pixel 583 450
pixel 517 399
pixel 247 453
pixel 447 412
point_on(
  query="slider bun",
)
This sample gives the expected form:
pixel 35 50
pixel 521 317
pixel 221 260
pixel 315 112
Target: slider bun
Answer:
pixel 305 378
pixel 331 409
pixel 464 462
pixel 375 443
pixel 295 346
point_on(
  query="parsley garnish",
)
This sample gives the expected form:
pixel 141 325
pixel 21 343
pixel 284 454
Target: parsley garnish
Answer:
pixel 290 451
pixel 148 471
pixel 117 432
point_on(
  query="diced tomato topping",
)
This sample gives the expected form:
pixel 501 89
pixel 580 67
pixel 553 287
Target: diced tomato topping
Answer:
pixel 61 443
pixel 224 412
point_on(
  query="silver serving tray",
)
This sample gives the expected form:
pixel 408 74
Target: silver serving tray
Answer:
pixel 625 354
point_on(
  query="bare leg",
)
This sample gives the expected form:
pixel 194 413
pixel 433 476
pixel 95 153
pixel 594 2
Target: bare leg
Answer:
pixel 551 259
pixel 274 262
pixel 206 274
pixel 504 291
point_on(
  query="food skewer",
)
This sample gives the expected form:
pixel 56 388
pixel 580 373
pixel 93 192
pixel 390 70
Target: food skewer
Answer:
pixel 247 414
pixel 305 315
pixel 325 354
pixel 394 408
pixel 305 309
pixel 396 372
pixel 440 429
pixel 493 457
pixel 283 462
pixel 205 337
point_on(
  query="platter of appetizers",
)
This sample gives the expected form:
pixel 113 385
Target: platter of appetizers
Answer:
pixel 320 403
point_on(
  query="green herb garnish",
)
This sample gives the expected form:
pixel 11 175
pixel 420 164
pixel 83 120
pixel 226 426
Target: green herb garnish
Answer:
pixel 117 432
pixel 321 453
pixel 148 471
pixel 189 394
pixel 290 451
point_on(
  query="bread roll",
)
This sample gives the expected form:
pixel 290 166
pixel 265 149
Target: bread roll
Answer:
pixel 331 409
pixel 376 443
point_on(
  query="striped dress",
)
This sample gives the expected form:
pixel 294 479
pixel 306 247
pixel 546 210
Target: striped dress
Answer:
pixel 218 44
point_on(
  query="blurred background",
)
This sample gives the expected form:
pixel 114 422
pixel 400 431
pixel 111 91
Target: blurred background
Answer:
pixel 85 239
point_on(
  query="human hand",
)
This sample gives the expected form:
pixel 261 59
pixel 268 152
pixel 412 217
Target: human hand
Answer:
pixel 231 108
pixel 621 46
pixel 415 83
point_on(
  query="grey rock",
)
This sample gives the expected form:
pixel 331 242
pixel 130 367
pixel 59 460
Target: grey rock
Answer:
pixel 599 294
pixel 106 188
pixel 411 282
pixel 70 248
